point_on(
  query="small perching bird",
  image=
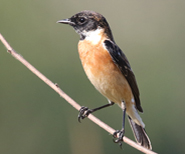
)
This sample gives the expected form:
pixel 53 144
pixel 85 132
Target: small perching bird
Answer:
pixel 109 71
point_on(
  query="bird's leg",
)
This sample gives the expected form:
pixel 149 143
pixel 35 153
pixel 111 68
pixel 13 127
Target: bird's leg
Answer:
pixel 120 133
pixel 85 111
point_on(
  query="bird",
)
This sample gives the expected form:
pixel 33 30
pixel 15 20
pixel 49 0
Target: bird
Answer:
pixel 109 70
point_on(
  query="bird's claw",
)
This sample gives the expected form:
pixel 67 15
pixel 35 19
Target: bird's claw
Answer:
pixel 83 113
pixel 119 139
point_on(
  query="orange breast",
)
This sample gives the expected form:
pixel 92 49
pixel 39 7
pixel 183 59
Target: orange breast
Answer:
pixel 103 73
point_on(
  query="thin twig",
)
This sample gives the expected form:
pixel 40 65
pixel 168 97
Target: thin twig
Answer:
pixel 67 98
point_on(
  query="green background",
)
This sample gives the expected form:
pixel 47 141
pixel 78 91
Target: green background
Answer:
pixel 35 120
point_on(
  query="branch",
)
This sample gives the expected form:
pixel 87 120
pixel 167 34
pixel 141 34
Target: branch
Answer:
pixel 67 98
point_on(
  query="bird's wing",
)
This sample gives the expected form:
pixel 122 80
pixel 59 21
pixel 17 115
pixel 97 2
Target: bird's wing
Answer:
pixel 121 61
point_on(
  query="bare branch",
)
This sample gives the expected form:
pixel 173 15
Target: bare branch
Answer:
pixel 67 98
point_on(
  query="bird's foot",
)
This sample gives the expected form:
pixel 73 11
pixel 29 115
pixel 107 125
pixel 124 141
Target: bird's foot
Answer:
pixel 119 139
pixel 83 113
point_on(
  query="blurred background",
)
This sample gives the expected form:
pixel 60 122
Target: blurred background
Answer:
pixel 35 120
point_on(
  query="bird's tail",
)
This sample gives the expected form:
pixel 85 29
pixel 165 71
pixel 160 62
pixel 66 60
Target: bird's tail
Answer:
pixel 140 134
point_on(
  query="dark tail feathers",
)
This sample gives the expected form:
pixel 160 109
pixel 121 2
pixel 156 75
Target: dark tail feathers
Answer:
pixel 140 135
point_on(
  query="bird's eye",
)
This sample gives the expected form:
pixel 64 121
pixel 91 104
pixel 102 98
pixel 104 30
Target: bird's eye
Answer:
pixel 81 20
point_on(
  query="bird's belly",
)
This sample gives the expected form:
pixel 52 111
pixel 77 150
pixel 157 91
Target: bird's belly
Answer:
pixel 110 82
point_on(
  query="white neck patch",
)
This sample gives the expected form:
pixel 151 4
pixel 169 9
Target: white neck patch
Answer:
pixel 94 36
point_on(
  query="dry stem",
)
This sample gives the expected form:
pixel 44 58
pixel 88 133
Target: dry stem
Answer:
pixel 67 98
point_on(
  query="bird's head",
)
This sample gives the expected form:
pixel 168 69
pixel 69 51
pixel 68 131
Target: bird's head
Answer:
pixel 88 21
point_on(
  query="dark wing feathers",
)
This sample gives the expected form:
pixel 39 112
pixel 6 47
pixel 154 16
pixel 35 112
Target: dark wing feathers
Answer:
pixel 121 61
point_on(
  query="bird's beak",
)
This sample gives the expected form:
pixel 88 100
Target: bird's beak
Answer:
pixel 66 21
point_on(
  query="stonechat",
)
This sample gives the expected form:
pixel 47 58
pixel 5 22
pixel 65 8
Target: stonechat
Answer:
pixel 109 71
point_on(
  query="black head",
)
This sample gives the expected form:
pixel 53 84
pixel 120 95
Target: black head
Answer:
pixel 86 21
